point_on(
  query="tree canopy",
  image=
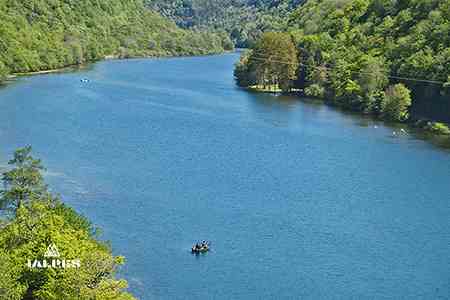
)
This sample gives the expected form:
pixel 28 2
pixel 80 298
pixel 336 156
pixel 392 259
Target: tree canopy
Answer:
pixel 355 52
pixel 40 35
pixel 243 20
pixel 263 67
pixel 39 220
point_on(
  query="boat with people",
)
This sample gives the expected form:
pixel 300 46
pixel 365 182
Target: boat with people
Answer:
pixel 202 247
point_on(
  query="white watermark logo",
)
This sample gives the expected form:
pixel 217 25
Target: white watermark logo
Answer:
pixel 52 260
pixel 52 251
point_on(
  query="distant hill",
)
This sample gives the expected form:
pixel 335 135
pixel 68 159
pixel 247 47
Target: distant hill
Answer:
pixel 243 20
pixel 42 35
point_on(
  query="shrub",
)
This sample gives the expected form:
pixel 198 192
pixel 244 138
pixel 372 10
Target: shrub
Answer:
pixel 395 103
pixel 438 128
pixel 315 90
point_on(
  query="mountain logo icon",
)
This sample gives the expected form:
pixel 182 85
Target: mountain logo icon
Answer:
pixel 52 251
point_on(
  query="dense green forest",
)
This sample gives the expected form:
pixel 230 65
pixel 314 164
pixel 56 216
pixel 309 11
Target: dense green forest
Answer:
pixel 40 35
pixel 31 219
pixel 242 20
pixel 359 55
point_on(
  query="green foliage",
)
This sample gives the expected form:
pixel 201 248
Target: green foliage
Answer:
pixel 396 102
pixel 350 48
pixel 40 223
pixel 403 38
pixel 263 66
pixel 438 128
pixel 447 84
pixel 24 182
pixel 243 75
pixel 77 221
pixel 40 35
pixel 315 90
pixel 3 71
pixel 10 271
pixel 243 20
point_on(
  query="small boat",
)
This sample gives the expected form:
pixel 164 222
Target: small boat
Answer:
pixel 200 248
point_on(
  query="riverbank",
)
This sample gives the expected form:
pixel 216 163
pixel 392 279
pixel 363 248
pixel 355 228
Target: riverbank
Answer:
pixel 106 57
pixel 63 69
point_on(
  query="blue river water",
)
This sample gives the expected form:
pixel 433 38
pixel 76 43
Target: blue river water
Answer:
pixel 299 200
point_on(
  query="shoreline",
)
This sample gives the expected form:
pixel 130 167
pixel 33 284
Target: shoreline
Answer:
pixel 43 72
pixel 15 75
pixel 105 58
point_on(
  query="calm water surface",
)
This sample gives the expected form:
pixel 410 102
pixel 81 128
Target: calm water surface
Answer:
pixel 299 200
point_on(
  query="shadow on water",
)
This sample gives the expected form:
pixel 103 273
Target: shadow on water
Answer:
pixel 282 102
pixel 271 108
pixel 263 103
pixel 7 83
pixel 440 141
pixel 273 101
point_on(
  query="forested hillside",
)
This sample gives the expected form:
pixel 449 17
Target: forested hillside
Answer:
pixel 39 35
pixel 243 20
pixel 369 55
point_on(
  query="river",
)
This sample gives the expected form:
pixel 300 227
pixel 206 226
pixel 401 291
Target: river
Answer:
pixel 299 200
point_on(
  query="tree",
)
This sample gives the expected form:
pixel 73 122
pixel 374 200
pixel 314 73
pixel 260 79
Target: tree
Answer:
pixel 345 88
pixel 24 182
pixel 29 235
pixel 242 20
pixel 372 79
pixel 40 223
pixel 395 103
pixel 3 71
pixel 10 288
pixel 243 76
pixel 274 60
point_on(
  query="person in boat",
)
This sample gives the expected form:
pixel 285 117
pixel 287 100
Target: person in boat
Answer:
pixel 200 247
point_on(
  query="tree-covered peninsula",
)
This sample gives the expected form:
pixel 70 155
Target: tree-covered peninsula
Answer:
pixel 32 219
pixel 41 35
pixel 388 58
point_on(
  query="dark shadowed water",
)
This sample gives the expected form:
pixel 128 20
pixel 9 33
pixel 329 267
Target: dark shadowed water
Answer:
pixel 299 200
